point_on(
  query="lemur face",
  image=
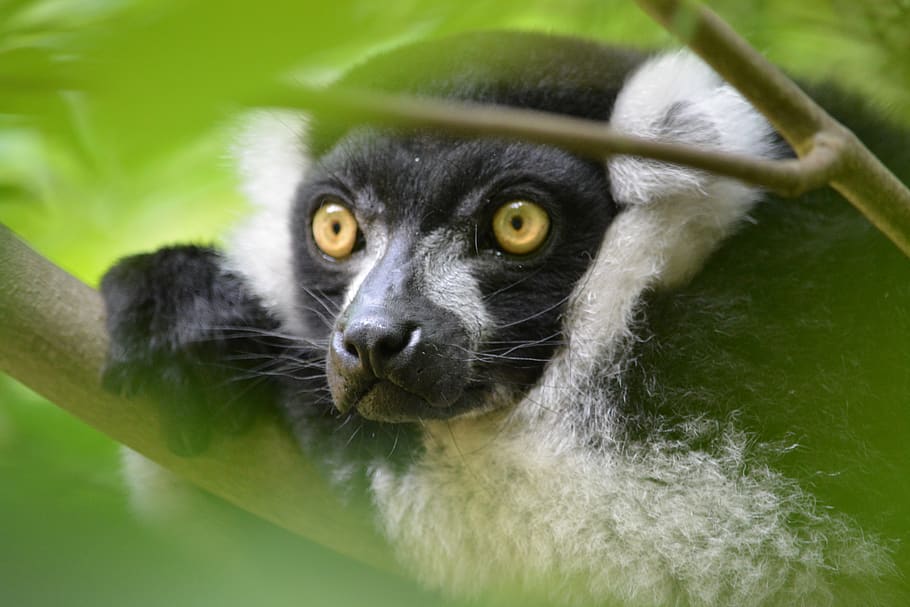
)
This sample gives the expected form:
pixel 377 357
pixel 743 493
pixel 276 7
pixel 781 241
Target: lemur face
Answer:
pixel 438 269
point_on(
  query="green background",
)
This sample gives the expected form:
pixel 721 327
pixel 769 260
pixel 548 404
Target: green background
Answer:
pixel 115 118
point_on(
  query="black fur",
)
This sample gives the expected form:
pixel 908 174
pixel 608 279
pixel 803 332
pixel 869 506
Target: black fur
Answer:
pixel 424 183
pixel 185 332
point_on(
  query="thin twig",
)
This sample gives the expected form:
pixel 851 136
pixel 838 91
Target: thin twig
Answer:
pixel 586 137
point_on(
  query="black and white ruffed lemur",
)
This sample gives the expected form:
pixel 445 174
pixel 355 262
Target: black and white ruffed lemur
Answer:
pixel 587 382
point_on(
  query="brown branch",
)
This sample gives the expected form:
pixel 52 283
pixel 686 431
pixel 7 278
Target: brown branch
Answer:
pixel 794 114
pixel 52 339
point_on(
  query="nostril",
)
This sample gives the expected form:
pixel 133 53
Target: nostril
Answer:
pixel 346 347
pixel 351 349
pixel 389 345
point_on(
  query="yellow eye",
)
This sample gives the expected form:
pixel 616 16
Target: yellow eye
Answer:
pixel 335 230
pixel 520 227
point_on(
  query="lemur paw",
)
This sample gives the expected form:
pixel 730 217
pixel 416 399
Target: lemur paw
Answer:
pixel 183 333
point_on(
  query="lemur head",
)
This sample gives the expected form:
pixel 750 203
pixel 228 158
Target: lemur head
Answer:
pixel 445 273
pixel 449 261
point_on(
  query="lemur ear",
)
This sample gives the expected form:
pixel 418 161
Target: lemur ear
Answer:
pixel 671 217
pixel 677 97
pixel 688 212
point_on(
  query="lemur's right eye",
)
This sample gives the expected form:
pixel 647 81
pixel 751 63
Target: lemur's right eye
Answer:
pixel 335 229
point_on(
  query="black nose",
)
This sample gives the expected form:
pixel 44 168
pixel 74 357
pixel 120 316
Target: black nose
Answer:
pixel 393 365
pixel 376 345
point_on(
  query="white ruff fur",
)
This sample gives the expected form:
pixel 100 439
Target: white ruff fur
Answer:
pixel 272 161
pixel 519 499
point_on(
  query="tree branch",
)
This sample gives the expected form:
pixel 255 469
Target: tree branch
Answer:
pixel 52 339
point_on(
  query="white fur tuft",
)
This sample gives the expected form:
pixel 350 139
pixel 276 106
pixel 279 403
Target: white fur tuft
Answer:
pixel 447 281
pixel 271 156
pixel 677 97
pixel 272 161
pixel 498 506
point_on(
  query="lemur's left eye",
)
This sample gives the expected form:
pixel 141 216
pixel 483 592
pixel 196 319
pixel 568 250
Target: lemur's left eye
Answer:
pixel 335 230
pixel 520 227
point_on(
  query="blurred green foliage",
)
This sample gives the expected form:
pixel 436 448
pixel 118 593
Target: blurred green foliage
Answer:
pixel 115 118
pixel 115 114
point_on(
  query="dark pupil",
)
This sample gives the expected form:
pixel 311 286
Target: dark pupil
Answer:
pixel 336 227
pixel 517 222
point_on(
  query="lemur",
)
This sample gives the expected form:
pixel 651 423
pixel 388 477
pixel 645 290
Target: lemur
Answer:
pixel 581 380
